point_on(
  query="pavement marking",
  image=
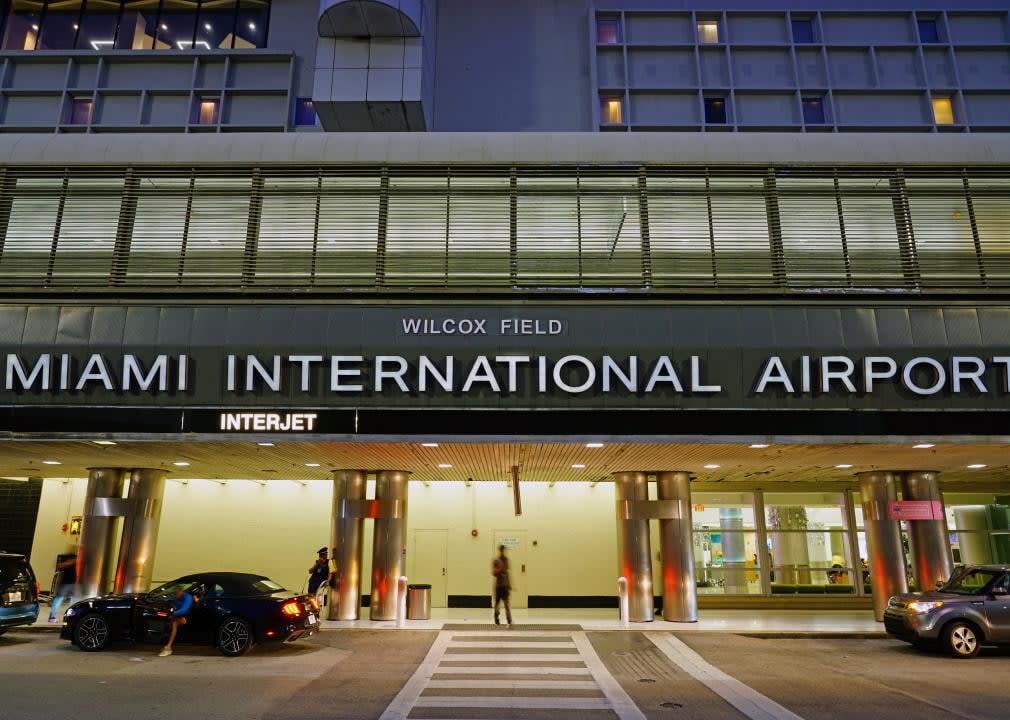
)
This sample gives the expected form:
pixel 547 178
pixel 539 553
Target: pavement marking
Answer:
pixel 551 687
pixel 743 697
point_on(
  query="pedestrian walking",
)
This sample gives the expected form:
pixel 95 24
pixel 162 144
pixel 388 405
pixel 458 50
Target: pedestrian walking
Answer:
pixel 502 586
pixel 319 573
pixel 183 602
pixel 66 585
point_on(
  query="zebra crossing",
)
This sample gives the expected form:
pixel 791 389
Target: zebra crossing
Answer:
pixel 500 675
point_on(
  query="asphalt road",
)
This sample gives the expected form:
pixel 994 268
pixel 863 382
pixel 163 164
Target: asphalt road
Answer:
pixel 355 674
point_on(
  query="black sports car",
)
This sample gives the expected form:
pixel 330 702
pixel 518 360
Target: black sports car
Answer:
pixel 233 611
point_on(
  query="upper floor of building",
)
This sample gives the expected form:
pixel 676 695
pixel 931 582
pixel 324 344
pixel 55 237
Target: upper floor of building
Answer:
pixel 496 66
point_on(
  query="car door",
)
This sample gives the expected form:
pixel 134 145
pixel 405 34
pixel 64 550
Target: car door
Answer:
pixel 997 609
pixel 202 620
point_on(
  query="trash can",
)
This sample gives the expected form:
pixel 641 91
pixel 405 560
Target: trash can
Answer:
pixel 419 602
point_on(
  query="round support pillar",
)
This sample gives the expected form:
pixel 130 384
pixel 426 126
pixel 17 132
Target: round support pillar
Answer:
pixel 388 544
pixel 927 539
pixel 883 539
pixel 346 539
pixel 634 552
pixel 102 510
pixel 680 593
pixel 140 530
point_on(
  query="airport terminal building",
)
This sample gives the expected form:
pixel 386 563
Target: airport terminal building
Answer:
pixel 706 298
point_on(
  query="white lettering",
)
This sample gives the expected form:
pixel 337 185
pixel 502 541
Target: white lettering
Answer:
pixel 132 371
pixel 481 372
pixel 39 371
pixel 629 380
pixel 231 373
pixel 306 362
pixel 870 374
pixel 663 372
pixel 696 385
pixel 382 374
pixel 1005 362
pixel 183 380
pixel 337 372
pixel 959 374
pixel 513 368
pixel 94 371
pixel 844 374
pixel 271 377
pixel 579 360
pixel 941 376
pixel 426 367
pixel 774 372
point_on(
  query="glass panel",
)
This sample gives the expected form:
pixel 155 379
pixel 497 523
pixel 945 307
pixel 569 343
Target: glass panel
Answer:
pixel 479 230
pixel 251 28
pixel 59 31
pixel 207 111
pixel 723 510
pixel 611 111
pixel 813 111
pixel 991 201
pixel 981 523
pixel 608 31
pixel 138 26
pixel 287 230
pixel 870 231
pixel 348 229
pixel 88 228
pixel 611 231
pixel 803 30
pixel 679 231
pixel 98 25
pixel 21 28
pixel 80 111
pixel 176 25
pixel 929 31
pixel 158 229
pixel 708 31
pixel 942 225
pixel 30 229
pixel 216 26
pixel 726 562
pixel 416 235
pixel 715 111
pixel 811 232
pixel 548 231
pixel 740 227
pixel 218 226
pixel 305 112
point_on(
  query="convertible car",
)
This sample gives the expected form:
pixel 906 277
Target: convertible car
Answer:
pixel 233 612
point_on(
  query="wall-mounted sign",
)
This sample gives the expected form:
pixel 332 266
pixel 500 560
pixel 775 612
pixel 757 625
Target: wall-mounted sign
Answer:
pixel 915 510
pixel 267 422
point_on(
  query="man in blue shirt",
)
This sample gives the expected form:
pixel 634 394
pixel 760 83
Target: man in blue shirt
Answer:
pixel 183 602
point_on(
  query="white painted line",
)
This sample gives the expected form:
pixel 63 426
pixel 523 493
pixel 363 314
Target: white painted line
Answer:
pixel 499 645
pixel 500 633
pixel 522 703
pixel 512 657
pixel 411 691
pixel 511 670
pixel 743 697
pixel 620 701
pixel 515 684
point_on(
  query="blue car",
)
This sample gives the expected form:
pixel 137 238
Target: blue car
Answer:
pixel 19 592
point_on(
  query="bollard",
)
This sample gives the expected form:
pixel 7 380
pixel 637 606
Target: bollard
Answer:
pixel 622 600
pixel 401 605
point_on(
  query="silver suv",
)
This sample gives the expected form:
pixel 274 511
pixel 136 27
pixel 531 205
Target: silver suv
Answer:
pixel 969 610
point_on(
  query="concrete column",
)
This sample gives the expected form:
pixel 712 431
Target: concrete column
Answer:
pixel 103 506
pixel 680 593
pixel 140 530
pixel 346 539
pixel 388 545
pixel 883 539
pixel 927 539
pixel 634 548
pixel 734 550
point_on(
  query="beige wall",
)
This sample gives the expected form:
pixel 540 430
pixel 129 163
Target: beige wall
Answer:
pixel 276 528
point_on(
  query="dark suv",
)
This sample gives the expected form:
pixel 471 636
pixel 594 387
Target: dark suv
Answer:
pixel 972 609
pixel 19 592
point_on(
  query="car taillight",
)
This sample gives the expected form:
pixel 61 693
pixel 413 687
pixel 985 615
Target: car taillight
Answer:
pixel 291 608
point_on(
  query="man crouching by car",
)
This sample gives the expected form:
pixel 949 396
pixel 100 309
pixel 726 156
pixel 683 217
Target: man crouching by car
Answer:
pixel 183 602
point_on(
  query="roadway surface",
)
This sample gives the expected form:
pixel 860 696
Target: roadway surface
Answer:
pixel 361 674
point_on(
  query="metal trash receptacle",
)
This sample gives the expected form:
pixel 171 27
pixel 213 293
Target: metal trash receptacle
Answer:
pixel 419 602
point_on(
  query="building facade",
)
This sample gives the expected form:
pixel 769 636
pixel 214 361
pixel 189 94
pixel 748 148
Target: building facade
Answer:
pixel 424 256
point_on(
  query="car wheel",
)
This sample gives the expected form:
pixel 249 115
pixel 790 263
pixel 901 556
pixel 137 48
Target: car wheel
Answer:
pixel 235 637
pixel 92 633
pixel 962 640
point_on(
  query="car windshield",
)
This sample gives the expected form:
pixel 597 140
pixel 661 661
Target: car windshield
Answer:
pixel 969 582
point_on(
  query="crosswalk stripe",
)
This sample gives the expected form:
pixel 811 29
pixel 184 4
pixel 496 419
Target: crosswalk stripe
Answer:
pixel 511 670
pixel 620 701
pixel 515 684
pixel 501 645
pixel 520 703
pixel 516 657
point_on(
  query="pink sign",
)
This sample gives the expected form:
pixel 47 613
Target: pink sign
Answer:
pixel 914 510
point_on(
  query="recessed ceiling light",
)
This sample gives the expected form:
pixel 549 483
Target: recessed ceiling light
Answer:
pixel 312 465
pixel 104 442
pixel 976 466
pixel 923 446
pixel 843 467
pixel 578 466
pixel 444 466
pixel 51 462
pixel 759 446
pixel 265 444
pixel 594 445
pixel 181 463
pixel 711 467
pixel 429 444
pixel 252 26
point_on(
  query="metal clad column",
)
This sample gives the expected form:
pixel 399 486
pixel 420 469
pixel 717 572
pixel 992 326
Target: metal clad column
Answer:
pixel 140 531
pixel 346 536
pixel 634 551
pixel 927 539
pixel 388 543
pixel 97 553
pixel 680 594
pixel 883 539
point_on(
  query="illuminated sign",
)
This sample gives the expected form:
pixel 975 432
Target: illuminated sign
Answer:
pixel 267 422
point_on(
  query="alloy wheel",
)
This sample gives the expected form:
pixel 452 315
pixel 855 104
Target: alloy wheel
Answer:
pixel 963 640
pixel 234 636
pixel 92 633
